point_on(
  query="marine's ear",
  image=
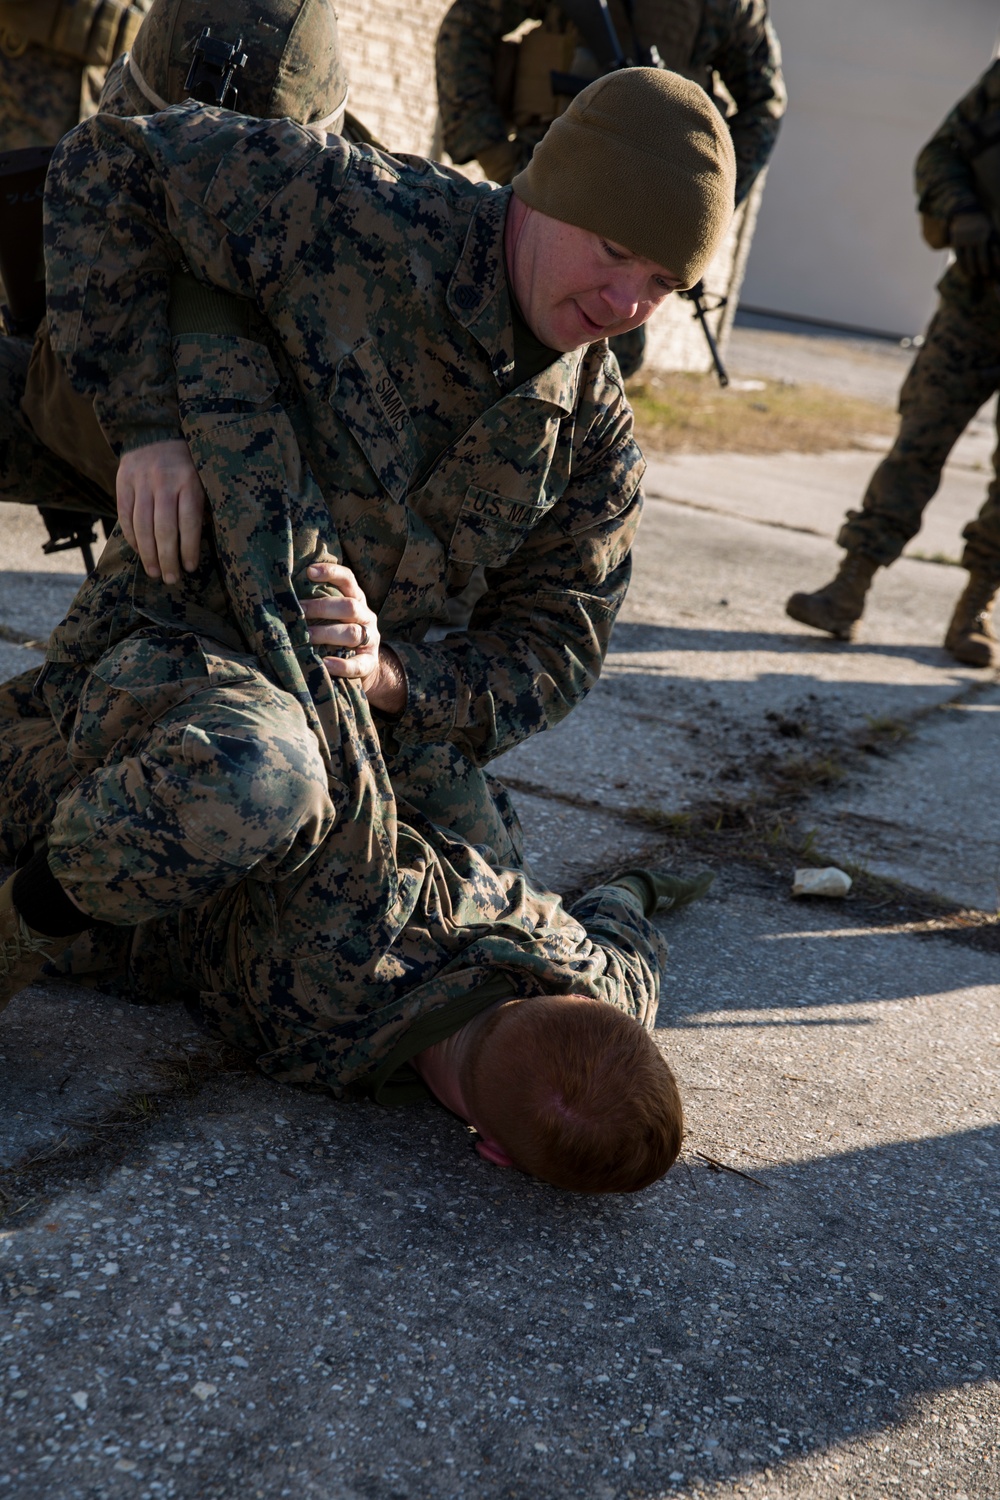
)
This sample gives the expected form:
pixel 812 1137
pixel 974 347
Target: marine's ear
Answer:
pixel 491 1150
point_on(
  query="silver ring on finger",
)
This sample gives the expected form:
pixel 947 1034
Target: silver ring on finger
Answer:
pixel 364 638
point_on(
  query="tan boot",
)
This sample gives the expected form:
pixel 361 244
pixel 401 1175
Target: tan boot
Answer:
pixel 22 950
pixel 971 638
pixel 838 607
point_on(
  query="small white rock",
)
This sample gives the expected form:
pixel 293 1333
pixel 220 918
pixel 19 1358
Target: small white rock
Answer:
pixel 110 1268
pixel 828 882
pixel 203 1389
pixel 80 1400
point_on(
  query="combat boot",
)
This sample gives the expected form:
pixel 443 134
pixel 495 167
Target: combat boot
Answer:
pixel 23 951
pixel 971 638
pixel 661 890
pixel 838 607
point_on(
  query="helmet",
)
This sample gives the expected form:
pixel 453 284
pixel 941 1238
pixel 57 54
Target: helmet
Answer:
pixel 294 65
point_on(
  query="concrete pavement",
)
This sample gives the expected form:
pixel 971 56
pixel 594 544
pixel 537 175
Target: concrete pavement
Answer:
pixel 213 1287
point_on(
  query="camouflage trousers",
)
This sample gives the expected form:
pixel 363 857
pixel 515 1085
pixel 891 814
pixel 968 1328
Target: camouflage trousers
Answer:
pixel 191 771
pixel 309 936
pixel 955 372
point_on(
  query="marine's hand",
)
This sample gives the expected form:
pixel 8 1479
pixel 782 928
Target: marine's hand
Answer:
pixel 976 247
pixel 161 504
pixel 348 624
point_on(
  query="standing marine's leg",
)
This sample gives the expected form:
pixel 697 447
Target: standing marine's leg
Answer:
pixel 971 637
pixel 955 372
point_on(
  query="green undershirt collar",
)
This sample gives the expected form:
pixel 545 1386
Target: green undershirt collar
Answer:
pixel 531 356
pixel 396 1081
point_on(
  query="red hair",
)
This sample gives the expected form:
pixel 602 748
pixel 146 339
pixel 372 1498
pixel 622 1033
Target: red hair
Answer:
pixel 577 1093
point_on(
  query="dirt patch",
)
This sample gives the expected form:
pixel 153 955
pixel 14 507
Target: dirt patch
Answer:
pixel 764 834
pixel 683 413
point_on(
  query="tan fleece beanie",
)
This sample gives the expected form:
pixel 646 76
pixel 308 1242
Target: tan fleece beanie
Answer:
pixel 643 157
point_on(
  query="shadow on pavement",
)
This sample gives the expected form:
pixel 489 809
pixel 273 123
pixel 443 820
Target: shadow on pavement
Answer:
pixel 634 637
pixel 374 1310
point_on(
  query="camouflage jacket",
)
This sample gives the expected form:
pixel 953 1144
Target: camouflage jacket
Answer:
pixel 945 180
pixel 382 281
pixel 52 64
pixel 945 173
pixel 733 41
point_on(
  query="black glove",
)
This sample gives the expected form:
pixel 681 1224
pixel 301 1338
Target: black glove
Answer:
pixel 976 246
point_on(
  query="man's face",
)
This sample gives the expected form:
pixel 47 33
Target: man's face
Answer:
pixel 575 287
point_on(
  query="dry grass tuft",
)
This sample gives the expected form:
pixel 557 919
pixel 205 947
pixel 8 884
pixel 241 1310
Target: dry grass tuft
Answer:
pixel 684 413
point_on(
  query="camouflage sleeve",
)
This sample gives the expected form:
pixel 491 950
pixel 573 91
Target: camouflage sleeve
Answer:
pixel 130 201
pixel 636 954
pixel 944 179
pixel 537 639
pixel 466 47
pixel 738 41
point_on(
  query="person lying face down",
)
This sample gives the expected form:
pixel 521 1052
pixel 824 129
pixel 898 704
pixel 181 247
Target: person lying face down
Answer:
pixel 568 1087
pixel 562 1087
pixel 565 1087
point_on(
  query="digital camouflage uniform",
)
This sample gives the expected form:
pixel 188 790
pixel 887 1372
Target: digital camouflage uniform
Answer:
pixel 52 451
pixel 382 281
pixel 205 781
pixel 53 57
pixel 32 472
pixel 729 40
pixel 42 95
pixel 956 370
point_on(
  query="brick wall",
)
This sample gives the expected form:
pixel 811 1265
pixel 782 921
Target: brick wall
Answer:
pixel 389 47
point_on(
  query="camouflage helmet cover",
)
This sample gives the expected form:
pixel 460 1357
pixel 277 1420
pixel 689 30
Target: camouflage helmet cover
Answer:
pixel 295 67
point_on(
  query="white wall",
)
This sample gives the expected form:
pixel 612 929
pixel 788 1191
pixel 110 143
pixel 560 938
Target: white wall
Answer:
pixel 869 81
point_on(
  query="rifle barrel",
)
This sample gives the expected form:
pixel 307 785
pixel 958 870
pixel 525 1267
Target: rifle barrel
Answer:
pixel 695 295
pixel 618 56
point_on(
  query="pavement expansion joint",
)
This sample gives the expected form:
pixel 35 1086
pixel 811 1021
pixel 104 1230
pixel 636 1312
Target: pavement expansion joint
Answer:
pixel 765 830
pixel 734 515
